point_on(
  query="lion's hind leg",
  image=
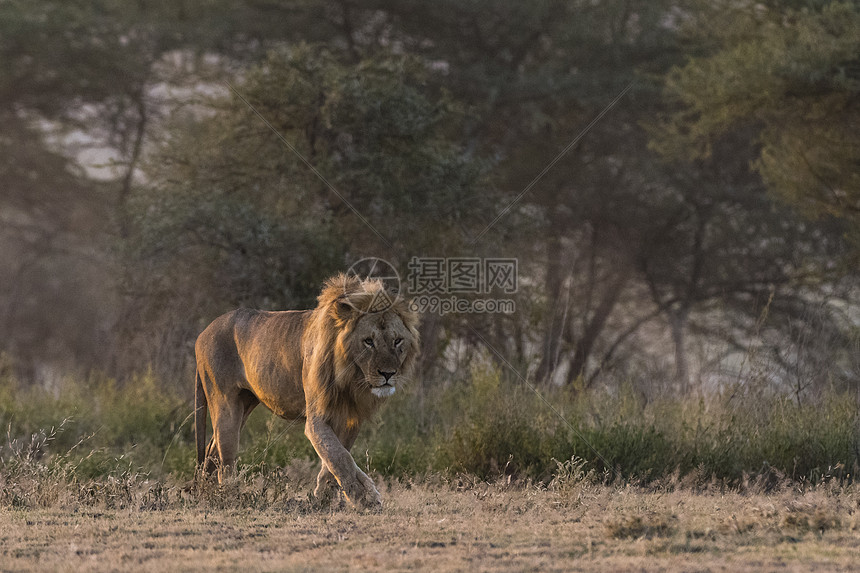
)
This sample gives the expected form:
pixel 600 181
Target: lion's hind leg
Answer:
pixel 210 462
pixel 227 413
pixel 327 488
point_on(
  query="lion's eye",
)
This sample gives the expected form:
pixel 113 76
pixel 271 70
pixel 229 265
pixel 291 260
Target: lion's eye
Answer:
pixel 398 342
pixel 369 342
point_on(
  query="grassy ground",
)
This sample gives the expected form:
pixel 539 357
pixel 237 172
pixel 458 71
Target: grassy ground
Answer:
pixel 92 477
pixel 440 525
pixel 483 424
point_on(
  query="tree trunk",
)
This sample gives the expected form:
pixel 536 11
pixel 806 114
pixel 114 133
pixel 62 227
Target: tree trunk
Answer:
pixel 593 328
pixel 128 179
pixel 556 312
pixel 430 335
pixel 678 325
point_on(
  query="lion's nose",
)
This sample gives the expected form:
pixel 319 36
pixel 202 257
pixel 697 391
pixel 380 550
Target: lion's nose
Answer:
pixel 386 375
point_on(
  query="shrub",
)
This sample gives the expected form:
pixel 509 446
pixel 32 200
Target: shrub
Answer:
pixel 485 424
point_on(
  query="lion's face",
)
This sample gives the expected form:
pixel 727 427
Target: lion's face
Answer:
pixel 382 344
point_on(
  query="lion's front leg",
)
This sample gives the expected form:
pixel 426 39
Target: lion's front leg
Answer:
pixel 356 485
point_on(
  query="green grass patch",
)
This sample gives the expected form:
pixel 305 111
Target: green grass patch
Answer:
pixel 484 424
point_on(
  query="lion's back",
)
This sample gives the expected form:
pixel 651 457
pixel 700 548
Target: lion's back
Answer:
pixel 259 351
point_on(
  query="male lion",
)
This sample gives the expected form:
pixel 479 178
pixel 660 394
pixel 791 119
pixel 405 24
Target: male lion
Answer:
pixel 331 367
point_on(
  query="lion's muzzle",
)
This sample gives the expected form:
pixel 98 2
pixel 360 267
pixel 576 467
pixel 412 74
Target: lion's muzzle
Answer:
pixel 383 391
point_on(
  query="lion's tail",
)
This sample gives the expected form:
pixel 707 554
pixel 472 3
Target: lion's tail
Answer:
pixel 201 409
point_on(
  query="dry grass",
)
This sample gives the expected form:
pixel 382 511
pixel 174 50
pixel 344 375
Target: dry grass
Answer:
pixel 106 492
pixel 269 524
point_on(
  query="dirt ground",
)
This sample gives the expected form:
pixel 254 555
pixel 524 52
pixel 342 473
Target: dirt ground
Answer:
pixel 452 527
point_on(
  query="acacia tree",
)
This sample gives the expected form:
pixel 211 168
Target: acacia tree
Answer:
pixel 81 68
pixel 96 69
pixel 774 85
pixel 536 74
pixel 610 239
pixel 310 164
pixel 55 296
pixel 792 70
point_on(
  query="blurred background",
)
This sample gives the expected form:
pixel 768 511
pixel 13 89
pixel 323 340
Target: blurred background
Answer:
pixel 702 237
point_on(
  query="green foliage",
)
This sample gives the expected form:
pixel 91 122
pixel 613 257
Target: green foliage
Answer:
pixel 486 425
pixel 371 129
pixel 793 75
pixel 226 214
pixel 397 103
pixel 489 425
pixel 269 441
pixel 52 53
pixel 230 215
pixel 99 426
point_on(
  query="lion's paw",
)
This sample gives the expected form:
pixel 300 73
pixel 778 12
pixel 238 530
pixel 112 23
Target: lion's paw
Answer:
pixel 362 494
pixel 371 494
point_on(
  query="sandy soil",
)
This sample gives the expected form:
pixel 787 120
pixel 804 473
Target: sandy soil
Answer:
pixel 450 527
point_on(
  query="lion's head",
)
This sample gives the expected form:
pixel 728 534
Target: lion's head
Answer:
pixel 372 332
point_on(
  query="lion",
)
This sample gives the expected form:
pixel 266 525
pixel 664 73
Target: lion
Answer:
pixel 332 367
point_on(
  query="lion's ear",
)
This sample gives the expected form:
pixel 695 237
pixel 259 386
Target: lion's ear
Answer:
pixel 344 310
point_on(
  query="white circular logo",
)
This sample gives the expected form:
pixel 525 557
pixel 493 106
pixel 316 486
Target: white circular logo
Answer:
pixel 376 269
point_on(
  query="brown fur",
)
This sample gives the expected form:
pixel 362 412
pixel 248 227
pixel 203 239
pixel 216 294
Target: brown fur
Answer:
pixel 331 367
